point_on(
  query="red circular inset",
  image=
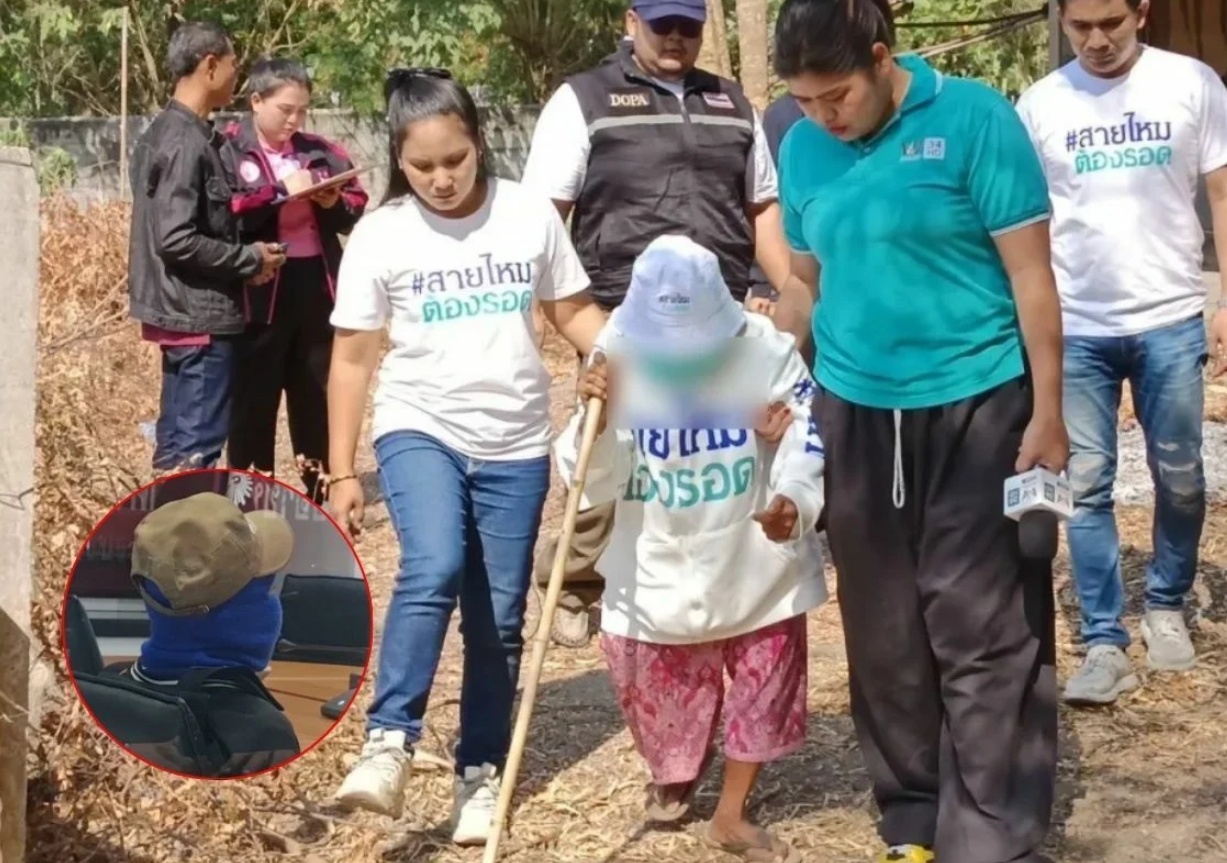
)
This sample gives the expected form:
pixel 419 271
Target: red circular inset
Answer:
pixel 207 712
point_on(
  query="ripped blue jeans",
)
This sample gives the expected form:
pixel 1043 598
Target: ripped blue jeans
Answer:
pixel 1164 370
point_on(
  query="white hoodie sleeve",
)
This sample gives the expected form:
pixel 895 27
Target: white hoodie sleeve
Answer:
pixel 609 468
pixel 612 460
pixel 796 470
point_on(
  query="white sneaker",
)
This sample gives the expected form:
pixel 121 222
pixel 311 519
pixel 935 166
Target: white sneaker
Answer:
pixel 1105 675
pixel 377 782
pixel 1168 646
pixel 474 799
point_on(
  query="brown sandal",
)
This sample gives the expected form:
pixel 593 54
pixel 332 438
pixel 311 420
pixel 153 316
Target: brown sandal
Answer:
pixel 770 849
pixel 659 811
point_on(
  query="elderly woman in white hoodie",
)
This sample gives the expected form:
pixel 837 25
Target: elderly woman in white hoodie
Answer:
pixel 714 560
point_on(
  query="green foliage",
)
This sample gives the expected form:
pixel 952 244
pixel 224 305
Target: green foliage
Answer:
pixel 1010 62
pixel 62 57
pixel 360 40
pixel 18 136
pixel 57 170
pixel 535 44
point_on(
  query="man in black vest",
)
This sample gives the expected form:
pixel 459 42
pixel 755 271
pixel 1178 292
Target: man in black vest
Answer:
pixel 645 144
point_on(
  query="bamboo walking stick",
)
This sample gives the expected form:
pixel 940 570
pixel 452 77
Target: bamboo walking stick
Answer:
pixel 541 640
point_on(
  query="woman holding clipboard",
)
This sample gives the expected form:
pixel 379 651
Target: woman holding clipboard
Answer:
pixel 288 344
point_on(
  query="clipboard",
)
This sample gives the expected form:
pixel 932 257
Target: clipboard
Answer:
pixel 331 183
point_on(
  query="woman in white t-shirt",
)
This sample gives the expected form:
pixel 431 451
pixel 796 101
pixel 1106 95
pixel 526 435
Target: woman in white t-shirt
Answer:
pixel 451 263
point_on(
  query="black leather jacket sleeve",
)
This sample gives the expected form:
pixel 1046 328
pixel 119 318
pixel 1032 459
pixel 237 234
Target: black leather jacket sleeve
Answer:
pixel 178 239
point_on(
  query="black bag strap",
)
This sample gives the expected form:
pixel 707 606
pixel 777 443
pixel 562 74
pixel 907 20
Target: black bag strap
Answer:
pixel 198 688
pixel 198 680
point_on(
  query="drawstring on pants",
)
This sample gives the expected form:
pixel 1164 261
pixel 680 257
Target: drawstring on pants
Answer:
pixel 898 491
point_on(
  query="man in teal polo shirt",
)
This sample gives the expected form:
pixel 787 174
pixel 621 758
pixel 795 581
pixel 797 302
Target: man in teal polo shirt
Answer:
pixel 938 340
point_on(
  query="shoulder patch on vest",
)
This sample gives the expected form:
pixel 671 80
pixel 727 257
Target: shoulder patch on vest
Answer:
pixel 249 171
pixel 719 100
pixel 634 97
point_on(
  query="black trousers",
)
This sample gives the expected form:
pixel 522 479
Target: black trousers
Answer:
pixel 289 355
pixel 949 630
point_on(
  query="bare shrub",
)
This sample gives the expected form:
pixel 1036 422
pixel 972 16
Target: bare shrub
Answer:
pixel 97 383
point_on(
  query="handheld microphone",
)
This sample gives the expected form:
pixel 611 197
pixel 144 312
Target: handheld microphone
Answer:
pixel 1038 500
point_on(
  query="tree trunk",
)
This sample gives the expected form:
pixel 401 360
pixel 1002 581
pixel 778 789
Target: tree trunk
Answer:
pixel 752 45
pixel 715 54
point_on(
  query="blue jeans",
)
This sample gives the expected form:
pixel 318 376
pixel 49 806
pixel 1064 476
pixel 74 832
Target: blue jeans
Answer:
pixel 194 420
pixel 1164 370
pixel 467 530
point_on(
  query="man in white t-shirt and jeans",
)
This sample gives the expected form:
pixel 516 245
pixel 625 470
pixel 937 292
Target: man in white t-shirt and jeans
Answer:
pixel 1126 132
pixel 643 145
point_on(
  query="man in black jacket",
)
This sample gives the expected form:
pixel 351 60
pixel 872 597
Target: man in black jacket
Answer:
pixel 186 266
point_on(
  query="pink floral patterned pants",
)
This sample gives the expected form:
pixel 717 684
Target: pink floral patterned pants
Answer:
pixel 674 695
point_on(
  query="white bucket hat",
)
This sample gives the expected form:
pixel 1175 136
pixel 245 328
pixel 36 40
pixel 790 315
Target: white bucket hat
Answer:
pixel 678 302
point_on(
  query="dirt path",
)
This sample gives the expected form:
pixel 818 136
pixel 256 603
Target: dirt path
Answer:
pixel 1145 781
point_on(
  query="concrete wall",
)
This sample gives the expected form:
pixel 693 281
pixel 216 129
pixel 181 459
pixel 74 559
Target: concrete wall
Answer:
pixel 19 196
pixel 94 143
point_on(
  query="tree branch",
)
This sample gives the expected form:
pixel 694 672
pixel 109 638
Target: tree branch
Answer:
pixel 151 65
pixel 966 42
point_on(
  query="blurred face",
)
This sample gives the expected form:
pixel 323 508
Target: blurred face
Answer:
pixel 440 160
pixel 1104 34
pixel 282 113
pixel 666 48
pixel 685 372
pixel 221 74
pixel 851 105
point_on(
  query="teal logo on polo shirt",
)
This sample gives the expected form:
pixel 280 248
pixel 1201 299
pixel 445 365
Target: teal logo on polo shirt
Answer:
pixel 932 149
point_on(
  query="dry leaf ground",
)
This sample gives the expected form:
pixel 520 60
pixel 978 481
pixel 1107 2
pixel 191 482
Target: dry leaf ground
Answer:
pixel 1142 782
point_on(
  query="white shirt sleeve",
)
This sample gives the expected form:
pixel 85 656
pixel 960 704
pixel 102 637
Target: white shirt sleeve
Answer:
pixel 800 460
pixel 1023 109
pixel 761 178
pixel 1213 137
pixel 558 158
pixel 562 274
pixel 610 465
pixel 362 284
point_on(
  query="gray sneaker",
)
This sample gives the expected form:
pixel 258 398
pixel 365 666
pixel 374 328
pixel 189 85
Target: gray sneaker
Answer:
pixel 1168 647
pixel 1106 674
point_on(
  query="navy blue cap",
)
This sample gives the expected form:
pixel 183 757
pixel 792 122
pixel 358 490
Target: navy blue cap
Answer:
pixel 654 10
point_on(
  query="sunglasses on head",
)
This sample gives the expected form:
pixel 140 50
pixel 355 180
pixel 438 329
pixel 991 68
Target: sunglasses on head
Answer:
pixel 399 77
pixel 687 28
